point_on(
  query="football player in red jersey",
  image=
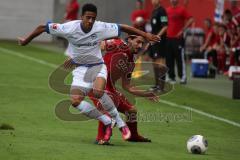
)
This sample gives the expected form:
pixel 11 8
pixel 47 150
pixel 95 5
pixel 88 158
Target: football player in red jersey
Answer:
pixel 119 59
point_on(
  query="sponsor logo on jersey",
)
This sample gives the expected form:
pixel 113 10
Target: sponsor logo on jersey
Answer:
pixel 93 36
pixel 113 26
pixel 54 26
pixel 87 44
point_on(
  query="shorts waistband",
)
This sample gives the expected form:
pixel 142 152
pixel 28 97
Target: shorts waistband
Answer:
pixel 88 65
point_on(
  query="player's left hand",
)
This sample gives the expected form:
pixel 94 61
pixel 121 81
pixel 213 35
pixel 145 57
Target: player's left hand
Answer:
pixel 153 97
pixel 152 37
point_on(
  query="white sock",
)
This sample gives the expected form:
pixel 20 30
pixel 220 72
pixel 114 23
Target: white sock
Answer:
pixel 119 121
pixel 109 106
pixel 91 112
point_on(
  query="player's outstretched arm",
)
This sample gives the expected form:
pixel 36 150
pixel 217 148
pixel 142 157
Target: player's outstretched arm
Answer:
pixel 138 92
pixel 39 30
pixel 131 30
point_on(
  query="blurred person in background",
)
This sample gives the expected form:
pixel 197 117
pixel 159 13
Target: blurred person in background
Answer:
pixel 211 40
pixel 235 9
pixel 178 21
pixel 72 10
pixel 235 44
pixel 230 22
pixel 223 48
pixel 211 46
pixel 231 26
pixel 139 16
pixel 157 51
pixel 211 34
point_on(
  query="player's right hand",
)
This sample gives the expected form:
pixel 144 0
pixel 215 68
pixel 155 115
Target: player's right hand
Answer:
pixel 22 41
pixel 152 38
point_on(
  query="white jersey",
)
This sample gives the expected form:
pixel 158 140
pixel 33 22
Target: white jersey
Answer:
pixel 84 47
pixel 68 51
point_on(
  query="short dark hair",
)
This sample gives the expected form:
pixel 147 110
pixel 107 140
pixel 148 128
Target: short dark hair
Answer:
pixel 228 13
pixel 89 7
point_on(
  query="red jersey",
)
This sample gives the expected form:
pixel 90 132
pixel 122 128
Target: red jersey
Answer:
pixel 237 41
pixel 139 13
pixel 232 26
pixel 225 40
pixel 72 11
pixel 214 38
pixel 176 20
pixel 119 62
pixel 236 13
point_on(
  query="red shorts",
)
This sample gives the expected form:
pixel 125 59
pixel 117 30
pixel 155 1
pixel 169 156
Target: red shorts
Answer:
pixel 120 101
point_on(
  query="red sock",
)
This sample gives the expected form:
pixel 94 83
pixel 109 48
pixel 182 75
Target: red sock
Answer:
pixel 101 130
pixel 133 128
pixel 100 133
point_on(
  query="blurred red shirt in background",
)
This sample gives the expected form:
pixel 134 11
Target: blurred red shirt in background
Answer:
pixel 72 10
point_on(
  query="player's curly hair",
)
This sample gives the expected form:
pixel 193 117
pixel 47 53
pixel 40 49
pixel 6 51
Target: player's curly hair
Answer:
pixel 89 7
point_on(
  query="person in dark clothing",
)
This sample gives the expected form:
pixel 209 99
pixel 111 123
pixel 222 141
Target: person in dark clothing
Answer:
pixel 157 51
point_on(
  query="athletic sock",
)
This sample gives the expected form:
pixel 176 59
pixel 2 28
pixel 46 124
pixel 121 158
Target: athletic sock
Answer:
pixel 100 134
pixel 132 123
pixel 133 129
pixel 91 112
pixel 109 106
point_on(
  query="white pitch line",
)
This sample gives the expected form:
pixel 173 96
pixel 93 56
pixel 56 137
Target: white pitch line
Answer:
pixel 201 113
pixel 28 57
pixel 162 101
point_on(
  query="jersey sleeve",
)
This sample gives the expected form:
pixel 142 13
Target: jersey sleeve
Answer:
pixel 163 18
pixel 109 30
pixel 58 29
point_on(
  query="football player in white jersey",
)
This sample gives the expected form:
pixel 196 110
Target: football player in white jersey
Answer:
pixel 90 73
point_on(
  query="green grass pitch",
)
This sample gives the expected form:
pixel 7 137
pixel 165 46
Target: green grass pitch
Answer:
pixel 27 104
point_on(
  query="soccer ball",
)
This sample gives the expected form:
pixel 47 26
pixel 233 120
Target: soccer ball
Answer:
pixel 197 144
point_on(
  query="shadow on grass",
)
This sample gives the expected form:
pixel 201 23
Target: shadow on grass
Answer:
pixel 5 126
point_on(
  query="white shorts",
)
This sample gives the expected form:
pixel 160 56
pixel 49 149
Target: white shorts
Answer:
pixel 83 77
